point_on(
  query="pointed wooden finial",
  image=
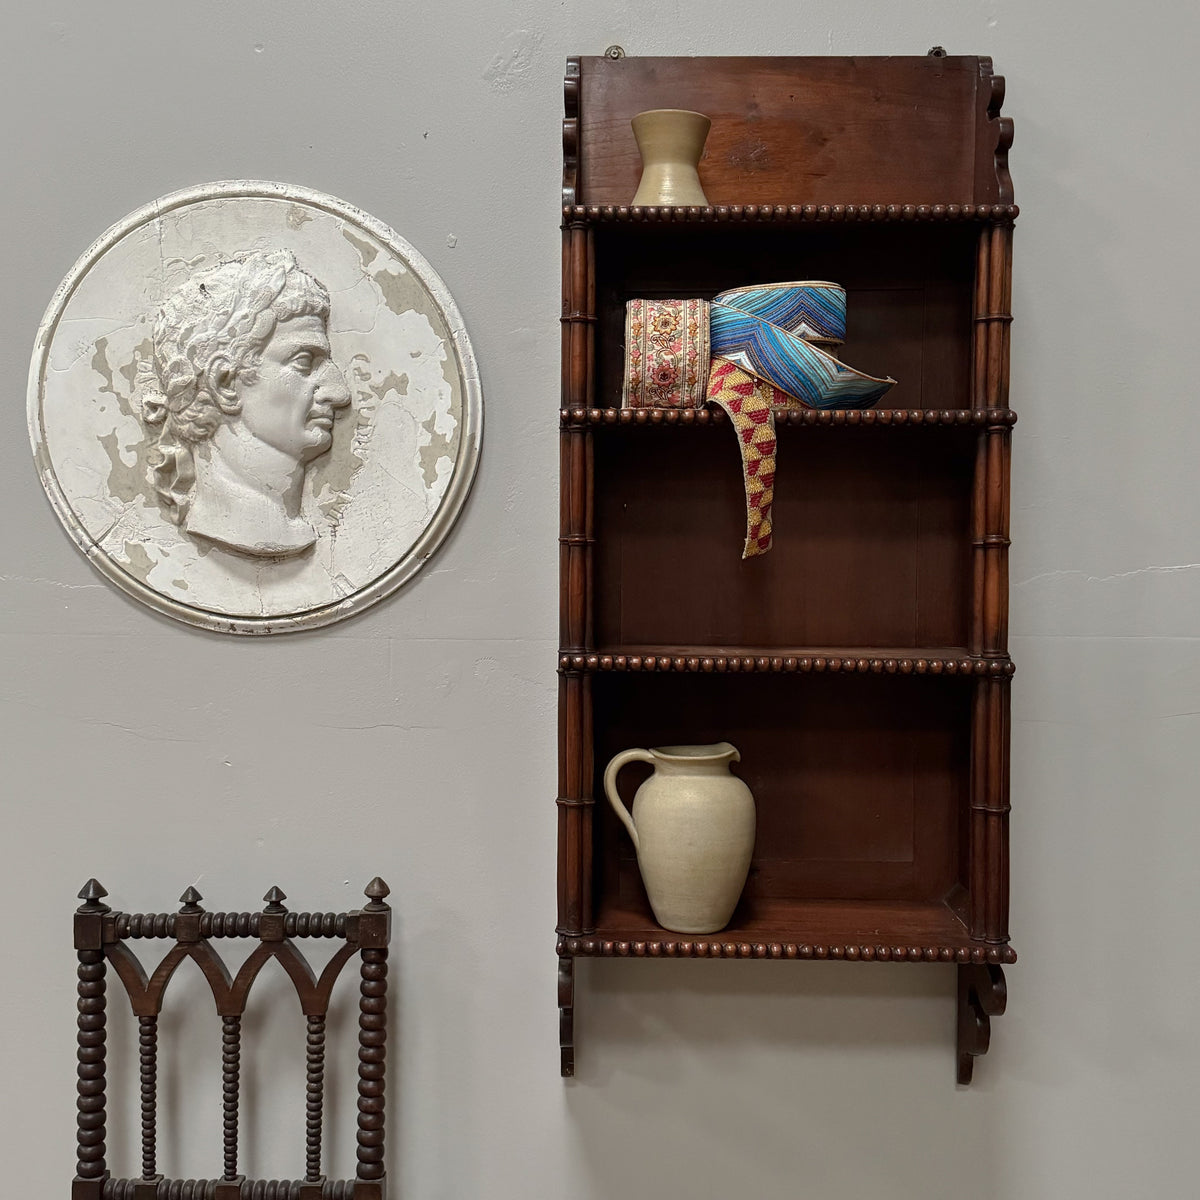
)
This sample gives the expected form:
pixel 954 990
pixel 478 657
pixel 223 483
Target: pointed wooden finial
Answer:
pixel 274 900
pixel 377 891
pixel 92 894
pixel 190 901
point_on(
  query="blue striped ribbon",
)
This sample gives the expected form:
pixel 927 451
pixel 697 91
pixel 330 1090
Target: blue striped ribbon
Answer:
pixel 789 362
pixel 814 310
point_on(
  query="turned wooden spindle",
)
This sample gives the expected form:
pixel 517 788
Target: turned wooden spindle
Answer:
pixel 314 1102
pixel 148 1073
pixel 374 927
pixel 90 1166
pixel 231 1065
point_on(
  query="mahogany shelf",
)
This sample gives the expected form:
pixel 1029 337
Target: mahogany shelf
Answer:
pixel 790 214
pixel 746 660
pixel 837 418
pixel 799 929
pixel 882 797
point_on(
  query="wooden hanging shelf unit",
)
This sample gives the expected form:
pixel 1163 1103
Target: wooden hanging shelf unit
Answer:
pixel 861 667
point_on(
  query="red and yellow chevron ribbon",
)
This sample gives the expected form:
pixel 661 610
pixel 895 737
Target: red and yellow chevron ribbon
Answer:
pixel 748 400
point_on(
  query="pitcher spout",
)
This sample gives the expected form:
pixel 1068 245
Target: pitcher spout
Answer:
pixel 715 754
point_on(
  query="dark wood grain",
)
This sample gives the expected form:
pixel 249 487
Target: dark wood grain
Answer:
pixel 870 548
pixel 802 130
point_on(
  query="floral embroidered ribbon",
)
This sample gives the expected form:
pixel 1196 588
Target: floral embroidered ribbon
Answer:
pixel 666 354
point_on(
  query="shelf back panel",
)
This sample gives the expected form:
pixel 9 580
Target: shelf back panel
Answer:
pixel 870 547
pixel 909 294
pixel 851 130
pixel 860 784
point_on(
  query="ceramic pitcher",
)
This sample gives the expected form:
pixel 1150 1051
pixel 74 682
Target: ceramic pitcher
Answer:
pixel 693 829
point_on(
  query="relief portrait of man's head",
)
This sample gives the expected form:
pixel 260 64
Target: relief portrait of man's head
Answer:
pixel 241 395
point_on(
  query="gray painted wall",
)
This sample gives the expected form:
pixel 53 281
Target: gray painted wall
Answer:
pixel 418 740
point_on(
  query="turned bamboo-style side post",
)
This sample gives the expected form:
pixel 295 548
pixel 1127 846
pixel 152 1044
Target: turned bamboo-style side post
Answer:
pixel 90 1170
pixel 374 932
pixel 988 832
pixel 576 543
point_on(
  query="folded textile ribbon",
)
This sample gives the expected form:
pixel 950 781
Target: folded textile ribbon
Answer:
pixel 765 342
pixel 792 364
pixel 764 357
pixel 813 310
pixel 666 354
pixel 748 401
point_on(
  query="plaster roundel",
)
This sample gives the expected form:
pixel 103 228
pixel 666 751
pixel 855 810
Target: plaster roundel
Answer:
pixel 254 407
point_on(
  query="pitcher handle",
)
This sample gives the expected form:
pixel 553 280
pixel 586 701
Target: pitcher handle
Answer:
pixel 610 786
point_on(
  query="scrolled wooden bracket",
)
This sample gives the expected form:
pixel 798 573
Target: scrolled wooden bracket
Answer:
pixel 566 1016
pixel 982 994
pixel 570 131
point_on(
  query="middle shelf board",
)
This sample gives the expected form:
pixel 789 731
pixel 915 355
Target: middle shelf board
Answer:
pixel 862 660
pixel 820 418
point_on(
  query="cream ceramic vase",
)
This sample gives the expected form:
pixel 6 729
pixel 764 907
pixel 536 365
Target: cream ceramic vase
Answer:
pixel 693 830
pixel 671 141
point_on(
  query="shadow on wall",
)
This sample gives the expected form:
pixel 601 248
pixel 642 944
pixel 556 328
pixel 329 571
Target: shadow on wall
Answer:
pixel 744 1067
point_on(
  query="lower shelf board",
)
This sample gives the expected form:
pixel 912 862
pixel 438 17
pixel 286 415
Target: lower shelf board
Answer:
pixel 854 931
pixel 866 931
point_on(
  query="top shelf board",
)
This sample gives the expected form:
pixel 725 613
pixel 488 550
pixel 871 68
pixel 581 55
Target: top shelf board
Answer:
pixel 785 214
pixel 849 131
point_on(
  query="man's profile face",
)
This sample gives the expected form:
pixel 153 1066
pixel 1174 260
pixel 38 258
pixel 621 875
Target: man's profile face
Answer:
pixel 292 402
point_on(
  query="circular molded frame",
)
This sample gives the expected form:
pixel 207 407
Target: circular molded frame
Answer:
pixel 470 434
